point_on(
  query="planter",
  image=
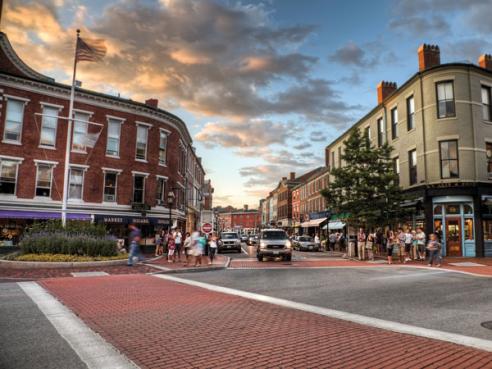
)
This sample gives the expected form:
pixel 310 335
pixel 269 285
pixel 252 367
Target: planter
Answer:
pixel 14 264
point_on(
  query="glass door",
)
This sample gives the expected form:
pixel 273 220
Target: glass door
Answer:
pixel 453 236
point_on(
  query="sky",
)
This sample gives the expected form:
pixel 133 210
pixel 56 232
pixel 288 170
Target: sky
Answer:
pixel 263 86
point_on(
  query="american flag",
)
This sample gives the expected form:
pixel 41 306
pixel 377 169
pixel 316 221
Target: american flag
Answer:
pixel 92 50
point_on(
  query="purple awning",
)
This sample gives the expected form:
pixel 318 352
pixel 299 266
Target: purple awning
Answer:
pixel 19 214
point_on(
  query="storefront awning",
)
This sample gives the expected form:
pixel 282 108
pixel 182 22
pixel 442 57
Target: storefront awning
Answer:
pixel 313 223
pixel 334 225
pixel 19 214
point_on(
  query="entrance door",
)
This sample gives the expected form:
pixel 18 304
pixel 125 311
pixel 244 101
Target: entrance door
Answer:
pixel 453 236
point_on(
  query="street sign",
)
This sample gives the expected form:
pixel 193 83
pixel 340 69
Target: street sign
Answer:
pixel 207 228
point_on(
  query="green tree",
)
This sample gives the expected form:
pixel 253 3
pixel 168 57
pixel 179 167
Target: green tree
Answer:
pixel 366 186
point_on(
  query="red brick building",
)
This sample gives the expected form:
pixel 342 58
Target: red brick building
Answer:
pixel 142 153
pixel 241 220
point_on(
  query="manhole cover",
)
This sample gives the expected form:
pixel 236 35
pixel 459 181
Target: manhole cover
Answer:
pixel 487 325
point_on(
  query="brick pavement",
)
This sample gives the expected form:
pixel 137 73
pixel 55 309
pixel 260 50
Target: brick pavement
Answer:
pixel 163 324
pixel 219 261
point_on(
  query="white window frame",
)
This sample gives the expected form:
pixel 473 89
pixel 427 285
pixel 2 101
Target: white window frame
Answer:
pixel 166 134
pixel 113 120
pixel 80 151
pixel 24 102
pixel 83 169
pixel 55 107
pixel 147 128
pixel 49 164
pixel 164 195
pixel 137 174
pixel 18 161
pixel 116 172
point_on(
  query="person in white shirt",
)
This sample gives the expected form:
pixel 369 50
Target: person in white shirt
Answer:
pixel 212 247
pixel 408 237
pixel 317 242
pixel 178 237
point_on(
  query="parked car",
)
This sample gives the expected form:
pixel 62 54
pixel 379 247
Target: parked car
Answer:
pixel 252 240
pixel 274 243
pixel 244 238
pixel 229 241
pixel 304 243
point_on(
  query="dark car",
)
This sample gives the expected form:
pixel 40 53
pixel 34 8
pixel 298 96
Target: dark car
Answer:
pixel 252 240
pixel 305 243
pixel 274 243
pixel 229 241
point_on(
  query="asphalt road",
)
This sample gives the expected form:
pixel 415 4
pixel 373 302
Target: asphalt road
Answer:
pixel 250 252
pixel 27 338
pixel 433 299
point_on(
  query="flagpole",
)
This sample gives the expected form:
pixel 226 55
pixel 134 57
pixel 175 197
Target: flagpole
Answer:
pixel 69 139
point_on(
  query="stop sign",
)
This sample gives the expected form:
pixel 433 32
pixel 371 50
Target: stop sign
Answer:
pixel 206 228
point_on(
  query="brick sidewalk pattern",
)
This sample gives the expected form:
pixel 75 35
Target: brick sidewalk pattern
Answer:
pixel 163 324
pixel 219 261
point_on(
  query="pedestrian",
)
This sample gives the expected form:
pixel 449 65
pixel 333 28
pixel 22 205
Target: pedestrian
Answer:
pixel 361 243
pixel 177 241
pixel 401 245
pixel 134 238
pixel 212 248
pixel 196 248
pixel 158 244
pixel 390 242
pixel 341 241
pixel 378 240
pixel 317 242
pixel 332 240
pixel 187 248
pixel 420 238
pixel 171 249
pixel 408 239
pixel 369 246
pixel 434 249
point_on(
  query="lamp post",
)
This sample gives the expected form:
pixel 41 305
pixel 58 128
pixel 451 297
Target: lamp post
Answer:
pixel 170 200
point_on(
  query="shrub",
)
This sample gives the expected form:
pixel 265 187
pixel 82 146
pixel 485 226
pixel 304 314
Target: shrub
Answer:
pixel 77 238
pixel 64 257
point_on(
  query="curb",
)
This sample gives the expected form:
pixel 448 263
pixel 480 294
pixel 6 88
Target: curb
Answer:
pixel 207 268
pixel 12 264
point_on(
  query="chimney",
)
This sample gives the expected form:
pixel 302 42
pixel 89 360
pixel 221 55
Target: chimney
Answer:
pixel 385 89
pixel 485 61
pixel 152 102
pixel 429 56
pixel 292 176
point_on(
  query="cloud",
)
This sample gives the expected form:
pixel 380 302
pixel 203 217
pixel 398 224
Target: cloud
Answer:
pixel 244 134
pixel 317 136
pixel 302 146
pixel 351 54
pixel 421 25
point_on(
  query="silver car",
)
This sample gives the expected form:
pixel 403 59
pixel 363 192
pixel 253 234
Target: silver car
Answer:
pixel 305 243
pixel 229 241
pixel 274 243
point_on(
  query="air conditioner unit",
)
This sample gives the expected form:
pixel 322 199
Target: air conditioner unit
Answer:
pixel 110 198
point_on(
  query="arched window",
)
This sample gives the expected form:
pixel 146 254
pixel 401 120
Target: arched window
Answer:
pixel 438 210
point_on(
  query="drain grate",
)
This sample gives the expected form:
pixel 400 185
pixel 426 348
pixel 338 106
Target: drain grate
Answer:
pixel 487 325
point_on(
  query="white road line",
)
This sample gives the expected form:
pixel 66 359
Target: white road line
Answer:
pixel 409 275
pixel 459 339
pixel 92 349
pixel 243 250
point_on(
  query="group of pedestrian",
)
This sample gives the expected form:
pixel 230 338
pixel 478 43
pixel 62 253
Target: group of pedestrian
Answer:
pixel 336 241
pixel 406 243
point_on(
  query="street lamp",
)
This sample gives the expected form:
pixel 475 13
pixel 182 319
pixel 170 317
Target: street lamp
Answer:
pixel 170 200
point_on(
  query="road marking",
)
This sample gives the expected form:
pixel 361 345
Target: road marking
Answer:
pixel 243 250
pixel 92 349
pixel 89 274
pixel 459 339
pixel 410 275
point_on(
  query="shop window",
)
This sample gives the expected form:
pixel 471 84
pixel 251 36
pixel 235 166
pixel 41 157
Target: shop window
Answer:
pixel 469 229
pixel 452 209
pixel 449 159
pixel 438 228
pixel 43 180
pixel 438 210
pixel 467 209
pixel 48 126
pixel 138 189
pixel 13 121
pixel 80 129
pixel 8 176
pixel 110 183
pixel 487 230
pixel 76 182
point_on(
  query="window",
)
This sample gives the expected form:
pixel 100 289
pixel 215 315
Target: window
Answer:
pixel 160 191
pixel 394 123
pixel 76 182
pixel 410 113
pixel 449 159
pixel 80 129
pixel 445 99
pixel 333 159
pixel 487 230
pixel 412 165
pixel 48 126
pixel 162 147
pixel 380 132
pixel 367 133
pixel 486 103
pixel 138 189
pixel 396 169
pixel 340 157
pixel 13 121
pixel 8 176
pixel 43 180
pixel 141 151
pixel 488 152
pixel 110 184
pixel 113 141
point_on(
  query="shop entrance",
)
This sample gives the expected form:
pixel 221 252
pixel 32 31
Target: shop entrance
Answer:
pixel 453 236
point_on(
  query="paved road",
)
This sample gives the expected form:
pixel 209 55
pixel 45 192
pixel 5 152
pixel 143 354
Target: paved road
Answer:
pixel 249 252
pixel 434 299
pixel 27 338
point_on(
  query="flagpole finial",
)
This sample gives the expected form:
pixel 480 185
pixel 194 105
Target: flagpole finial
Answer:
pixel 78 32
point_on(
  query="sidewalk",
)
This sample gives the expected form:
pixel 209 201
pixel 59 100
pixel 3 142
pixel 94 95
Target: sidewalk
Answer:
pixel 164 324
pixel 162 264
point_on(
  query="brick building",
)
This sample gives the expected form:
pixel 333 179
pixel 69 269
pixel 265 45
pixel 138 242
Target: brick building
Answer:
pixel 142 154
pixel 240 220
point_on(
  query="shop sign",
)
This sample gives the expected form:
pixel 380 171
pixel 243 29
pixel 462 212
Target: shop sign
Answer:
pixel 140 220
pixel 161 221
pixel 320 214
pixel 113 219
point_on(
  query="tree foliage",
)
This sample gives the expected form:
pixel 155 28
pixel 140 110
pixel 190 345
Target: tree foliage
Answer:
pixel 366 186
